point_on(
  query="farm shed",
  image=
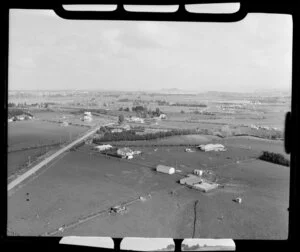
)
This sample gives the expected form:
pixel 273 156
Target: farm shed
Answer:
pixel 205 187
pixel 190 180
pixel 211 147
pixel 165 169
pixel 103 147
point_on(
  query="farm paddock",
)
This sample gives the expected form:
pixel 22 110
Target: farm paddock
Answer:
pixel 84 182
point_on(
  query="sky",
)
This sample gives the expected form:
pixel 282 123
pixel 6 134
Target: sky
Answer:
pixel 47 52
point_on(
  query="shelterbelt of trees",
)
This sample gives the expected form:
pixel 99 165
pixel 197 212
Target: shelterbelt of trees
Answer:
pixel 130 135
pixel 105 134
pixel 275 158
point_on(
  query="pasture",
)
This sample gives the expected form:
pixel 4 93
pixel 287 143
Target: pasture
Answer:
pixel 84 182
pixel 34 133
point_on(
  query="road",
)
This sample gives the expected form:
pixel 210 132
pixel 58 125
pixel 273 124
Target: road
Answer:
pixel 34 169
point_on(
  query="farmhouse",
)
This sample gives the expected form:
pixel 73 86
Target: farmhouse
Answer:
pixel 125 152
pixel 165 169
pixel 205 186
pixel 211 147
pixel 103 147
pixel 190 180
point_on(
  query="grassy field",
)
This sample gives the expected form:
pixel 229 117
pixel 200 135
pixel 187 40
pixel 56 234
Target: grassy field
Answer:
pixel 71 116
pixel 24 134
pixel 84 182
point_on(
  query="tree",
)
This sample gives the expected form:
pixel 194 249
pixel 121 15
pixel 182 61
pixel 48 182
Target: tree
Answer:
pixel 182 112
pixel 121 119
pixel 11 104
pixel 139 109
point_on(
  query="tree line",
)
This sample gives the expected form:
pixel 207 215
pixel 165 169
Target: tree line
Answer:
pixel 130 135
pixel 275 158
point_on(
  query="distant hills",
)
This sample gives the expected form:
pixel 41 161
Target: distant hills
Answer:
pixel 171 91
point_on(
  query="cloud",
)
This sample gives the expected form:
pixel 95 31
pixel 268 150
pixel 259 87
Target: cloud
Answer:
pixel 161 33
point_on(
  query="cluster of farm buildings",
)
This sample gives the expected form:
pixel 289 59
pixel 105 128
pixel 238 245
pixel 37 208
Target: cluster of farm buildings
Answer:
pixel 197 180
pixel 87 117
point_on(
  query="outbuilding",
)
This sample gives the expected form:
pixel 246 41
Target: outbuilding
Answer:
pixel 190 180
pixel 211 147
pixel 205 187
pixel 103 147
pixel 165 169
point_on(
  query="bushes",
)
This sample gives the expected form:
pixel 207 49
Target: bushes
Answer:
pixel 275 158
